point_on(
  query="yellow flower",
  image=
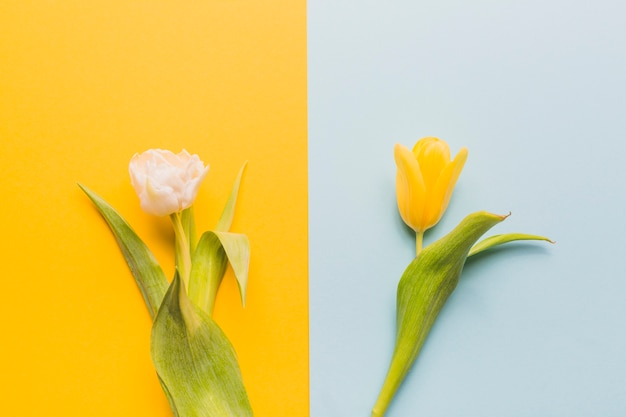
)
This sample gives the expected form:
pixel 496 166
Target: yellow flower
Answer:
pixel 425 180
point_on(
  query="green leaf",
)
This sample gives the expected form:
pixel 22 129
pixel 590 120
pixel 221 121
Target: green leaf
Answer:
pixel 237 248
pixel 424 288
pixel 195 361
pixel 226 219
pixel 496 240
pixel 148 274
pixel 209 265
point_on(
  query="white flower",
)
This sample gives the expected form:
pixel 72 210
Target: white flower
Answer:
pixel 166 183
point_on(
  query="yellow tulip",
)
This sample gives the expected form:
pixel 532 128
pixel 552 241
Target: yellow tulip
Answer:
pixel 424 183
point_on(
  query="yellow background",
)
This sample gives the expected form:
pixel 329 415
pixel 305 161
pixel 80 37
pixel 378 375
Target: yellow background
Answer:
pixel 83 86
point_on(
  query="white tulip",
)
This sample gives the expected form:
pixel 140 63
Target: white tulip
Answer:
pixel 166 183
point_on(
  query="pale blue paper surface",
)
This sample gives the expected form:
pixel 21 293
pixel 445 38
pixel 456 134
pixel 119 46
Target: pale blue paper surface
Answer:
pixel 537 91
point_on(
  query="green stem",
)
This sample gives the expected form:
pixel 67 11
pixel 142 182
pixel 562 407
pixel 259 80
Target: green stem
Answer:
pixel 189 226
pixel 183 252
pixel 384 399
pixel 419 243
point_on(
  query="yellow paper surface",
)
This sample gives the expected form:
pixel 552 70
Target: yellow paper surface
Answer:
pixel 83 86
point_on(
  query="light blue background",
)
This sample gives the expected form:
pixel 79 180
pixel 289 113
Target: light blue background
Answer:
pixel 537 91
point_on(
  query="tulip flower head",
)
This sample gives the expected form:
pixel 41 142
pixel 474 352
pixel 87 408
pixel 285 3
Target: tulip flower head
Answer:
pixel 166 183
pixel 424 183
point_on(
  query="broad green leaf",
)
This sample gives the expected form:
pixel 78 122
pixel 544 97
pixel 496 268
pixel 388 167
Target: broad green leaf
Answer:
pixel 209 265
pixel 195 361
pixel 226 219
pixel 424 288
pixel 496 240
pixel 143 265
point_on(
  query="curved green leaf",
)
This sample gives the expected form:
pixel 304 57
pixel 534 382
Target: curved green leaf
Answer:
pixel 209 263
pixel 208 266
pixel 424 288
pixel 148 274
pixel 226 219
pixel 237 248
pixel 195 361
pixel 497 240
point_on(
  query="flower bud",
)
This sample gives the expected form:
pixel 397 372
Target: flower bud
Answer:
pixel 425 180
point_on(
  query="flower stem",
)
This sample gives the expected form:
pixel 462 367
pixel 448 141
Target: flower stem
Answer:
pixel 189 226
pixel 183 252
pixel 419 243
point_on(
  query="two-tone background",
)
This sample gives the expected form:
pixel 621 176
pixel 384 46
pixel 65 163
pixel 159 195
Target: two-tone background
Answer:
pixel 314 96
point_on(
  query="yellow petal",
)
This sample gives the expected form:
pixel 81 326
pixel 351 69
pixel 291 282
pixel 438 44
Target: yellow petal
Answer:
pixel 410 190
pixel 439 196
pixel 432 156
